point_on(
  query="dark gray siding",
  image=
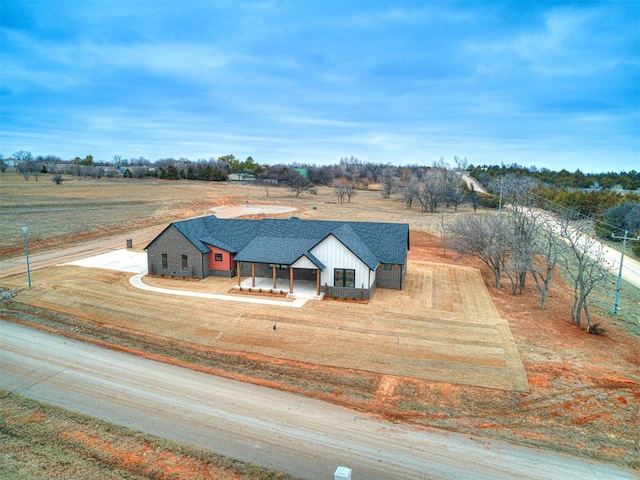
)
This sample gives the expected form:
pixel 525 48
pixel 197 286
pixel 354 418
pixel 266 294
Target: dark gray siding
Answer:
pixel 347 292
pixel 222 273
pixel 390 278
pixel 172 243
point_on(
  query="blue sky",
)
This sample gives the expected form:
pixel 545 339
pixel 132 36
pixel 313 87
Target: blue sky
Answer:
pixel 546 83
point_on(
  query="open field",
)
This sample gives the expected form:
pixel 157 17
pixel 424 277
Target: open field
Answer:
pixel 437 353
pixel 81 209
pixel 442 327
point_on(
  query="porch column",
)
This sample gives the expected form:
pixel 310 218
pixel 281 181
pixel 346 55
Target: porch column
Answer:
pixel 253 275
pixel 318 283
pixel 239 268
pixel 274 276
pixel 290 279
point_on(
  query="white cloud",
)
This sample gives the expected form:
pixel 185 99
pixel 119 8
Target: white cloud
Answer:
pixel 312 82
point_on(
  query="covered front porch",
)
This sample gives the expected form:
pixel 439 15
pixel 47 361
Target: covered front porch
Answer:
pixel 303 288
pixel 280 280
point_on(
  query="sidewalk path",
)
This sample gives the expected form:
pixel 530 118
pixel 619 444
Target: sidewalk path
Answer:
pixel 137 282
pixel 124 260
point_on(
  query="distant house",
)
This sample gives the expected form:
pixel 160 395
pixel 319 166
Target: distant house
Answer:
pixel 241 177
pixel 344 259
pixel 302 171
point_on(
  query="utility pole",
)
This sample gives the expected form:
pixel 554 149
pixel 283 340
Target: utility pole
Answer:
pixel 26 251
pixel 624 239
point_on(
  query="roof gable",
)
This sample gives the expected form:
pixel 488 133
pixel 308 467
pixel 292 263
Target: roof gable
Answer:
pixel 350 239
pixel 308 260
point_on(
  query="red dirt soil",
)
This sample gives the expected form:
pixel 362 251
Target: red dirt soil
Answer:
pixel 581 386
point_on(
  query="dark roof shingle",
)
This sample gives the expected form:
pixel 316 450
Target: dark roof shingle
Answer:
pixel 283 241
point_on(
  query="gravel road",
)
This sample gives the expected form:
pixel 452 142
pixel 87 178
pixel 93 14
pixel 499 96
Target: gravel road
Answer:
pixel 42 259
pixel 301 436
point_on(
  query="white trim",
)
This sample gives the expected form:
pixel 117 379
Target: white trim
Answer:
pixel 304 262
pixel 334 254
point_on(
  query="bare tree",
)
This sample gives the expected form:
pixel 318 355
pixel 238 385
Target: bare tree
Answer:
pixel 512 188
pixel 547 247
pixel 582 258
pixel 296 182
pixel 430 190
pixel 137 171
pixel 410 192
pixel 525 226
pixel 350 191
pixel 520 259
pixel 372 172
pixel 474 199
pixel 485 237
pixel 36 169
pixel 267 177
pixel 451 188
pixel 461 163
pixel 339 189
pixel 24 163
pixel 388 180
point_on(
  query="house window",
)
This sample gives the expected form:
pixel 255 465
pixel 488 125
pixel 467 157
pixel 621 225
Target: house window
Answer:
pixel 387 266
pixel 344 277
pixel 165 262
pixel 218 257
pixel 185 262
pixel 278 266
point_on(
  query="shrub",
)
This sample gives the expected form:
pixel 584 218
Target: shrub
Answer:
pixel 489 201
pixel 618 219
pixel 596 329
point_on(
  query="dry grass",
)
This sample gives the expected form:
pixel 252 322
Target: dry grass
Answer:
pixel 584 391
pixel 43 441
pixel 93 207
pixel 443 326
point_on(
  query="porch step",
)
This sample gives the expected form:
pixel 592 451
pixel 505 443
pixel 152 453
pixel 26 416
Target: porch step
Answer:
pixel 307 296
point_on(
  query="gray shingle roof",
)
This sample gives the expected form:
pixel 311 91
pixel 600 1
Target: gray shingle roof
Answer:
pixel 283 251
pixel 353 242
pixel 283 241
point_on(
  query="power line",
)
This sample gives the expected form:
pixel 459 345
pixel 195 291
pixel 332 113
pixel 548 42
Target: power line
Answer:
pixel 624 239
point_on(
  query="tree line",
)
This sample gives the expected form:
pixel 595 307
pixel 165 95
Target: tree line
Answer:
pixel 431 187
pixel 562 179
pixel 522 241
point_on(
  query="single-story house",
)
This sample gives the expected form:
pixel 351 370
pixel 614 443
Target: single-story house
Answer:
pixel 346 259
pixel 241 177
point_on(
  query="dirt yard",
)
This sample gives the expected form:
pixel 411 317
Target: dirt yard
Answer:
pixel 442 326
pixel 441 353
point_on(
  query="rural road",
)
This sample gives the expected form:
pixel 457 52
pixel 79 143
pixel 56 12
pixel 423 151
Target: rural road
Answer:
pixel 596 249
pixel 630 267
pixel 302 436
pixel 17 264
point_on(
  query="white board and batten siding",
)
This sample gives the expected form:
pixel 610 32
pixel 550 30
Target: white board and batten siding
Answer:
pixel 304 262
pixel 333 254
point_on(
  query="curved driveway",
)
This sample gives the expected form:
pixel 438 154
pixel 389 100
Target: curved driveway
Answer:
pixel 302 436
